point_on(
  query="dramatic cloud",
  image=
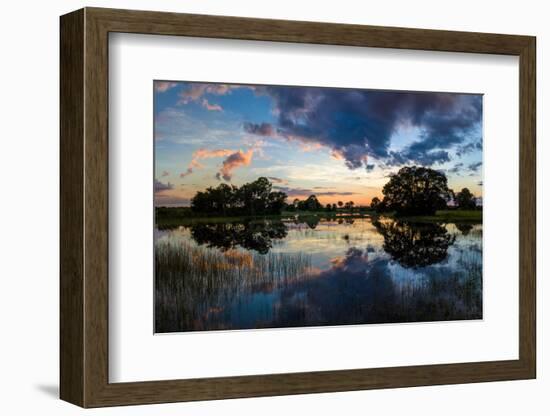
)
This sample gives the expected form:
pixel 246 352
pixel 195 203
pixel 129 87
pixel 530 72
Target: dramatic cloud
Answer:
pixel 456 168
pixel 426 158
pixel 211 107
pixel 468 148
pixel 358 124
pixel 475 166
pixel 159 186
pixel 163 86
pixel 263 129
pixel 369 167
pixel 204 154
pixel 232 162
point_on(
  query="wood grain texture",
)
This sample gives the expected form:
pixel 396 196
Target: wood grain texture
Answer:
pixel 84 204
pixel 527 207
pixel 71 208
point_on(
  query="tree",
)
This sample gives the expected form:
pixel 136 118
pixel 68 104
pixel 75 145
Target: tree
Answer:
pixel 340 204
pixel 374 203
pixel 465 199
pixel 254 198
pixel 349 205
pixel 276 202
pixel 416 190
pixel 310 204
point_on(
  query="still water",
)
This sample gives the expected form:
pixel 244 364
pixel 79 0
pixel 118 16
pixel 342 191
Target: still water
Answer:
pixel 313 271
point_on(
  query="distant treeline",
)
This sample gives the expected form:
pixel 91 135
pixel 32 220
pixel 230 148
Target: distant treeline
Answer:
pixel 413 190
pixel 254 198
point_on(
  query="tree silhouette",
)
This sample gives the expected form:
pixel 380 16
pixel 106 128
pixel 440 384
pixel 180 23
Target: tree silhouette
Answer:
pixel 416 190
pixel 415 245
pixel 310 204
pixel 465 199
pixel 254 198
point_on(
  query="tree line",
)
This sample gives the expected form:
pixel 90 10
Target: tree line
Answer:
pixel 413 190
pixel 256 198
pixel 311 203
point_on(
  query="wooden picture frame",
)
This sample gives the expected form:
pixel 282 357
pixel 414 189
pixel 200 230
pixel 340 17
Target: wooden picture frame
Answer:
pixel 84 207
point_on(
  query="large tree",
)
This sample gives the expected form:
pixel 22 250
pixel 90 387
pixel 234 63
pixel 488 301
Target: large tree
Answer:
pixel 465 199
pixel 416 190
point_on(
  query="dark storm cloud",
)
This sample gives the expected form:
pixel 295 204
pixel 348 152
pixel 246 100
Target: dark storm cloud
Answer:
pixel 262 129
pixel 358 124
pixel 426 158
pixel 468 148
pixel 474 166
pixel 456 168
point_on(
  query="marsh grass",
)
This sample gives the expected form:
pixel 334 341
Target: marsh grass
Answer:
pixel 191 281
pixel 455 296
pixel 454 215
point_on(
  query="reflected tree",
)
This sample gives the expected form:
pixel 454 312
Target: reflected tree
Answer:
pixel 415 245
pixel 312 221
pixel 464 228
pixel 252 235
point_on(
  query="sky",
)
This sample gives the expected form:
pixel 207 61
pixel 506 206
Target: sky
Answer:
pixel 338 144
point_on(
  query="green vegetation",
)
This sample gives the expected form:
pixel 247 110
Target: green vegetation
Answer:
pixel 449 215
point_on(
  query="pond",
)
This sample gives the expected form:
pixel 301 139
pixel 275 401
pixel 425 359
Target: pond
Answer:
pixel 312 271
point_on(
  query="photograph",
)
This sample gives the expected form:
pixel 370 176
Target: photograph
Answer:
pixel 298 206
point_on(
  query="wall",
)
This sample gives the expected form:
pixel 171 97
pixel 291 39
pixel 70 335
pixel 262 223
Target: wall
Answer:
pixel 29 209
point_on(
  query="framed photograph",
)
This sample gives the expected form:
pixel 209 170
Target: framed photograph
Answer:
pixel 260 207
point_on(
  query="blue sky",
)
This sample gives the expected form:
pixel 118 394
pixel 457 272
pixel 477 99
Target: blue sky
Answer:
pixel 339 144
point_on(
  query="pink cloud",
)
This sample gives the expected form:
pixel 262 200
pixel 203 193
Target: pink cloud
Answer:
pixel 204 154
pixel 232 162
pixel 196 91
pixel 211 107
pixel 163 86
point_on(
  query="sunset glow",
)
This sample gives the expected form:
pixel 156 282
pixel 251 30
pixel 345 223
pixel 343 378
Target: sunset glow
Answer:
pixel 338 144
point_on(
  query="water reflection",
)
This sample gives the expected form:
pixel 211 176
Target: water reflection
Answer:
pixel 319 271
pixel 415 245
pixel 464 228
pixel 255 235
